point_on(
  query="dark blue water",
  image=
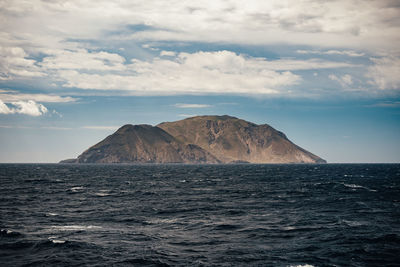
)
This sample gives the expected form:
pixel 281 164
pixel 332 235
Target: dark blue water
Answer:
pixel 193 215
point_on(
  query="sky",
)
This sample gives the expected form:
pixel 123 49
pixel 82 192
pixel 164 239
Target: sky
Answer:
pixel 326 73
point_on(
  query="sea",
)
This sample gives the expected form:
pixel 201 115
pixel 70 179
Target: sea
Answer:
pixel 200 215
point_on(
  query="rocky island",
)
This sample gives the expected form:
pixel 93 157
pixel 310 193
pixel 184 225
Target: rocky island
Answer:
pixel 200 139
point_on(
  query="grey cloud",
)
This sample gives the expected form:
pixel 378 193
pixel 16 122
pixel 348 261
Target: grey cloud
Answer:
pixel 252 21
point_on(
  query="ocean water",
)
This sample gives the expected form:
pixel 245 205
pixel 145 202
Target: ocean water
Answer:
pixel 200 215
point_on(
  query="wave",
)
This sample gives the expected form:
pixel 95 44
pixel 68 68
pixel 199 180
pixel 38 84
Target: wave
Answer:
pixel 75 227
pixel 57 241
pixel 76 189
pixel 103 193
pixel 9 233
pixel 227 227
pixel 354 223
pixel 356 186
pixel 144 262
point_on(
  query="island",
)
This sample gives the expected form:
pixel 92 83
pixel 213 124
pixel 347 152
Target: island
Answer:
pixel 197 140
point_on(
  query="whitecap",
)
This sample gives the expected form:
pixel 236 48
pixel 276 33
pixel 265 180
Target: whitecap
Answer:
pixel 56 241
pixel 52 214
pixel 356 186
pixel 353 185
pixel 6 231
pixel 76 188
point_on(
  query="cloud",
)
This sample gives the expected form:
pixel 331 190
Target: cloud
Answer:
pixel 310 64
pixel 148 46
pixel 168 53
pixel 195 73
pixel 324 23
pixel 184 73
pixel 12 96
pixel 349 53
pixel 345 80
pixel 187 115
pixel 54 112
pixel 81 59
pixel 4 109
pixel 385 73
pixel 29 107
pixel 387 104
pixel 182 105
pixel 15 64
pixel 220 72
pixel 106 128
pixel 90 44
pixel 37 24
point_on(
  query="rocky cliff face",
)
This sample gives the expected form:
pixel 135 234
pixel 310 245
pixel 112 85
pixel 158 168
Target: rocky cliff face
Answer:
pixel 202 139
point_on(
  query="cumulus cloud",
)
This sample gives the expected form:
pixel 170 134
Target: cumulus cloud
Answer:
pixel 29 107
pixel 182 105
pixel 192 73
pixel 4 109
pixel 15 64
pixel 198 73
pixel 385 73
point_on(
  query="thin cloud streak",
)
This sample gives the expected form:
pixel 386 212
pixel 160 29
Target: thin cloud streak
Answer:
pixel 182 105
pixel 102 128
pixel 12 97
pixel 349 53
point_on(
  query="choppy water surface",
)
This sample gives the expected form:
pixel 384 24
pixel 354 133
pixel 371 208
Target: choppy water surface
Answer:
pixel 193 215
